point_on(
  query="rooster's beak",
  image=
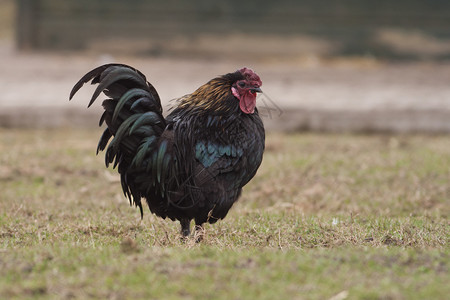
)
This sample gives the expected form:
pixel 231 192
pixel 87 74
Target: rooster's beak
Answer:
pixel 256 90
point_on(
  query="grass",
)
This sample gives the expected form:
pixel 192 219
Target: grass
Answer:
pixel 326 217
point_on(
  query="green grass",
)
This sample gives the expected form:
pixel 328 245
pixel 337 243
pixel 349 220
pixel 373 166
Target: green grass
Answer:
pixel 326 217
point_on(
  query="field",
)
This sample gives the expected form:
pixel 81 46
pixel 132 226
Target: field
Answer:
pixel 327 217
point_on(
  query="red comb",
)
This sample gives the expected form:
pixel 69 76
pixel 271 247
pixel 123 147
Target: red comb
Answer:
pixel 251 76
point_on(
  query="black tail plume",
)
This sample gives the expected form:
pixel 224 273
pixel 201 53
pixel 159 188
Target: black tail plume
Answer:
pixel 133 114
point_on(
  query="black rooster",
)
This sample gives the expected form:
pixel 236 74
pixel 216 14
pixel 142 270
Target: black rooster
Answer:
pixel 192 164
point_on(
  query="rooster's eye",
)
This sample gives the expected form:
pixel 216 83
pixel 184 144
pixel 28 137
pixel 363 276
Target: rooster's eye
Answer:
pixel 241 84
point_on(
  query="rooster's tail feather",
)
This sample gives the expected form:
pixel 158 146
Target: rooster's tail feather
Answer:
pixel 133 114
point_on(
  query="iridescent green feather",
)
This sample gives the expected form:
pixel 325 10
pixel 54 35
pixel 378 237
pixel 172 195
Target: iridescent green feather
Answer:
pixel 129 95
pixel 117 74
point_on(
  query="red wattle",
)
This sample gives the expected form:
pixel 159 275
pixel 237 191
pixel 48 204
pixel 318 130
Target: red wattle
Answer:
pixel 247 103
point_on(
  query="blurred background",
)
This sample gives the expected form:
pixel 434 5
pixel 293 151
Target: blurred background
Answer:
pixel 351 65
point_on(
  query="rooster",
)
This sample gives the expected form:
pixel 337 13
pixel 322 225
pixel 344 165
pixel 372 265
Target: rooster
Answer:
pixel 192 164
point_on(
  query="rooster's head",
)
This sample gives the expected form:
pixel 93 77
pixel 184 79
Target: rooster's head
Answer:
pixel 245 90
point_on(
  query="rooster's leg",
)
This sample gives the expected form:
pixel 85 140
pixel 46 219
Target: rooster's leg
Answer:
pixel 185 227
pixel 199 232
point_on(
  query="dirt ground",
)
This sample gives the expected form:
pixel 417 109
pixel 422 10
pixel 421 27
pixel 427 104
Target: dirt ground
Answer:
pixel 300 93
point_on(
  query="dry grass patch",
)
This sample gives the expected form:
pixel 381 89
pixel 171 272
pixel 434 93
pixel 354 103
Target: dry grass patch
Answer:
pixel 344 216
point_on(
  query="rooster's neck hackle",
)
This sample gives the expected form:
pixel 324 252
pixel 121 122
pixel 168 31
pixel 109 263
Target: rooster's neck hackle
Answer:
pixel 215 96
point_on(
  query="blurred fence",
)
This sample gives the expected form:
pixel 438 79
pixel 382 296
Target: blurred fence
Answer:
pixel 153 26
